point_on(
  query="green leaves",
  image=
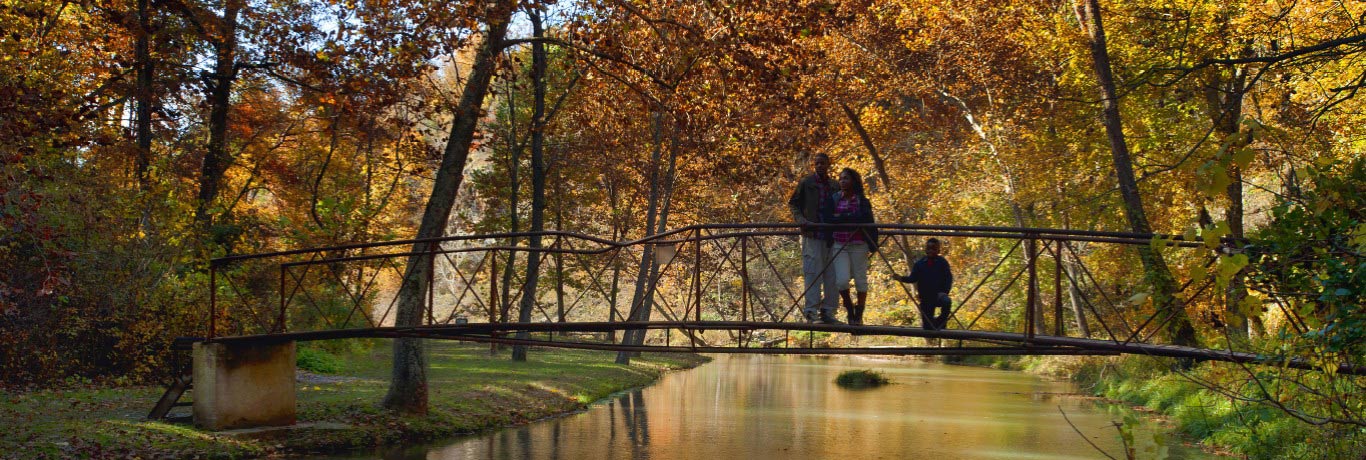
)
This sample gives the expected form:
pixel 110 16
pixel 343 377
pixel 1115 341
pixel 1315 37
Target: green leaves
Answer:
pixel 1358 236
pixel 1199 274
pixel 1250 306
pixel 1229 266
pixel 1242 157
pixel 1213 178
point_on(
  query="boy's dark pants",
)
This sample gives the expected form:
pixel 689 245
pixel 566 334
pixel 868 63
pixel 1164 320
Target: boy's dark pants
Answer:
pixel 929 320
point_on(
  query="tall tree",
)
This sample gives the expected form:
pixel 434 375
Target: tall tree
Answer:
pixel 538 170
pixel 221 31
pixel 408 384
pixel 642 298
pixel 1175 321
pixel 145 74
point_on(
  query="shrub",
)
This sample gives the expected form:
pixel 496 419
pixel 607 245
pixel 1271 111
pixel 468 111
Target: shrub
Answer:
pixel 319 361
pixel 810 339
pixel 862 378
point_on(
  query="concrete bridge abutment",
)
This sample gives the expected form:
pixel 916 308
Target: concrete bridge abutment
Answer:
pixel 244 385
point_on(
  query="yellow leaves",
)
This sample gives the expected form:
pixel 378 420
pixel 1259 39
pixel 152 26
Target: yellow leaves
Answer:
pixel 1212 235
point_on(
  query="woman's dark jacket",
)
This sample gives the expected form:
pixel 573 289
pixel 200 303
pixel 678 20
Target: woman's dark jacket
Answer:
pixel 862 215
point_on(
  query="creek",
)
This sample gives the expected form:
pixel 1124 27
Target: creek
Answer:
pixel 754 407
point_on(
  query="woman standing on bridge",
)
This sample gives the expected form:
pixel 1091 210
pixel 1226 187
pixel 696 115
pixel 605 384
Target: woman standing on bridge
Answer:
pixel 852 245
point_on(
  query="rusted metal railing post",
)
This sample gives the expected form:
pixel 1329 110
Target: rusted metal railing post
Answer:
pixel 611 297
pixel 744 335
pixel 697 274
pixel 280 320
pixel 493 285
pixel 1057 288
pixel 559 279
pixel 494 305
pixel 431 282
pixel 744 278
pixel 1032 290
pixel 213 299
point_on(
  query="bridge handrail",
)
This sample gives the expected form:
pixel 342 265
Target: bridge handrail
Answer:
pixel 1038 242
pixel 668 237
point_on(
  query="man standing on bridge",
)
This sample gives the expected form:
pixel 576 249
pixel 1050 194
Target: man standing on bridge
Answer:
pixel 933 279
pixel 811 200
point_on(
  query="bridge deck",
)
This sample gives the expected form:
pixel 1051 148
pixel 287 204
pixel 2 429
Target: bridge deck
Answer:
pixel 982 342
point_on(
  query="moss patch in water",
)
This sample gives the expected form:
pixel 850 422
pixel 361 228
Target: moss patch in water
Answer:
pixel 861 378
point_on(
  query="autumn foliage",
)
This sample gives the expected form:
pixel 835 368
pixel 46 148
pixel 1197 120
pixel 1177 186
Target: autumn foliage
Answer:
pixel 139 139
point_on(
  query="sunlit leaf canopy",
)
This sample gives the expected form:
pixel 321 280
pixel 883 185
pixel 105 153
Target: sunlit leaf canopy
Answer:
pixel 142 138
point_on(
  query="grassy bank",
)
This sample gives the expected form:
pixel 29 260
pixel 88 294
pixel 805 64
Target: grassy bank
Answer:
pixel 470 392
pixel 1241 418
pixel 1245 416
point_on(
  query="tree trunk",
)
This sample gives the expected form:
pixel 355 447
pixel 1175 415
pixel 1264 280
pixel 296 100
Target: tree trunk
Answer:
pixel 868 144
pixel 618 234
pixel 647 252
pixel 1007 175
pixel 216 157
pixel 533 263
pixel 1175 321
pixel 1074 298
pixel 514 186
pixel 1008 178
pixel 408 386
pixel 142 161
pixel 1224 97
pixel 559 256
pixel 662 224
pixel 642 296
pixel 1072 272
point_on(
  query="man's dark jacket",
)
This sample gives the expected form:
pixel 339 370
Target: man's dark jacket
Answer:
pixel 807 202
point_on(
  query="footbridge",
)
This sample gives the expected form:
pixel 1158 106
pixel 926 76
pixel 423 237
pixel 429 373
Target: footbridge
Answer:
pixel 718 288
pixel 728 288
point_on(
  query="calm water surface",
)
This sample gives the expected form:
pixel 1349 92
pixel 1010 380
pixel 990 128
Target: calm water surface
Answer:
pixel 759 407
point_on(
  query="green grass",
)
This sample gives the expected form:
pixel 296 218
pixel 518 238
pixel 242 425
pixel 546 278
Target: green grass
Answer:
pixel 318 360
pixel 863 378
pixel 1253 431
pixel 470 392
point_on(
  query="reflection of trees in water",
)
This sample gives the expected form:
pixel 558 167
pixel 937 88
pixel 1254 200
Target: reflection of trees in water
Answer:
pixel 637 423
pixel 524 441
pixel 633 418
pixel 555 440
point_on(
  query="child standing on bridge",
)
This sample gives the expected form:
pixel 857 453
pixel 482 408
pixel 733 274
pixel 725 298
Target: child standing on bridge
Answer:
pixel 933 279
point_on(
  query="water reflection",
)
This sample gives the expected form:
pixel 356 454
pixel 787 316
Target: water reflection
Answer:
pixel 752 407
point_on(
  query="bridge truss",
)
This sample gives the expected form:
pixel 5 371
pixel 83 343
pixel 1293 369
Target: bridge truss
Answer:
pixel 728 288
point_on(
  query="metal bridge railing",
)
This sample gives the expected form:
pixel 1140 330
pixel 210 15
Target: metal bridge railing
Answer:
pixel 1030 281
